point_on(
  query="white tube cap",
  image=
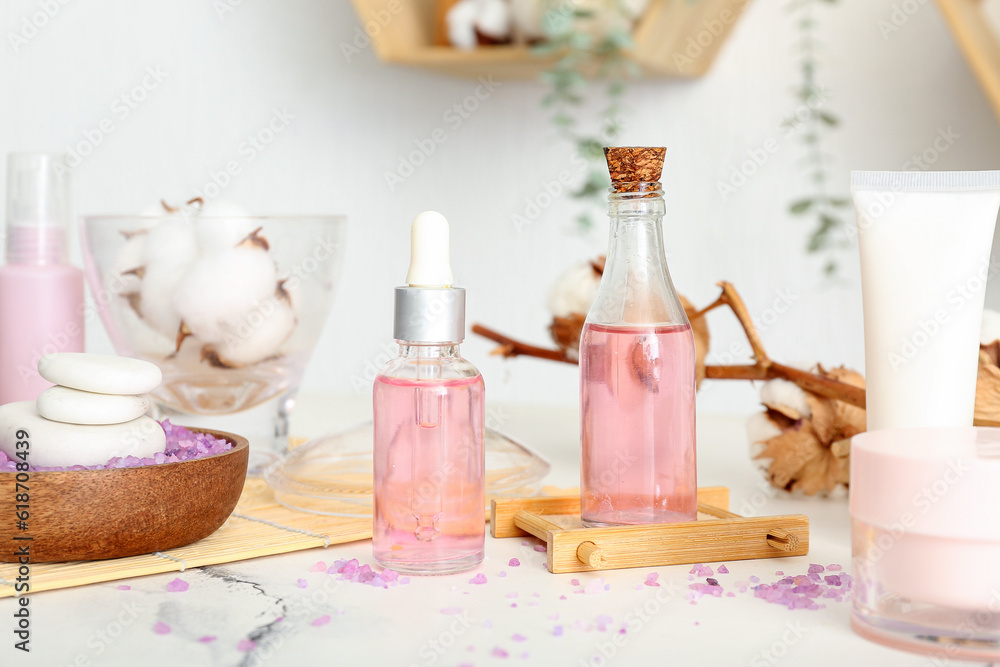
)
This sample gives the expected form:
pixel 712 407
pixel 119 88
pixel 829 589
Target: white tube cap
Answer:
pixel 430 250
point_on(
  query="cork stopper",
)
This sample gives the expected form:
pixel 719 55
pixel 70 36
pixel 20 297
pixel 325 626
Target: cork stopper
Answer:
pixel 631 165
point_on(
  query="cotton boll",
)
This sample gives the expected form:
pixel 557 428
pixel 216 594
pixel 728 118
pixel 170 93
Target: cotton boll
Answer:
pixel 786 397
pixel 461 24
pixel 142 338
pixel 172 242
pixel 221 288
pixel 222 224
pixel 493 19
pixel 159 282
pixel 258 337
pixel 991 327
pixel 122 277
pixel 760 429
pixel 574 291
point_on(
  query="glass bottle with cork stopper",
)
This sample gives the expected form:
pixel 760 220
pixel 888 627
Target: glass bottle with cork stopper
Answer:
pixel 637 365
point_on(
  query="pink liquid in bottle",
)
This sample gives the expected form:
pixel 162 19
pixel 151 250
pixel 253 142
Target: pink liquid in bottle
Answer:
pixel 429 474
pixel 638 424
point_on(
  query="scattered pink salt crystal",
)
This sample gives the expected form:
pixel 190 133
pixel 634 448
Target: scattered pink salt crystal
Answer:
pixel 124 587
pixel 706 589
pixel 562 597
pixel 302 583
pixel 207 639
pixel 161 628
pixel 651 579
pixel 779 573
pixel 318 566
pixel 722 569
pixel 177 586
pixel 499 653
pixel 815 569
pixel 834 567
pixel 513 562
pixel 574 582
pixel 479 579
pixel 246 645
pixel 322 620
pixel 540 548
pixel 557 631
pixel 754 579
pixel 518 637
pixel 502 573
pixel 701 570
pixel 595 586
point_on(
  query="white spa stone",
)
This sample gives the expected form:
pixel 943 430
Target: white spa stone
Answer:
pixel 72 406
pixel 56 444
pixel 100 373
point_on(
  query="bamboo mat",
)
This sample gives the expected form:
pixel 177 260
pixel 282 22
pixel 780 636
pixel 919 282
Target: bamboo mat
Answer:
pixel 259 526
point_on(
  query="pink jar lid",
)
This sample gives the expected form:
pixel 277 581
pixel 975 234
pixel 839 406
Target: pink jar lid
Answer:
pixel 941 481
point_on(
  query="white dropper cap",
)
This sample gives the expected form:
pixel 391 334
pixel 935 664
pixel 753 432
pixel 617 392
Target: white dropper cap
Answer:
pixel 430 309
pixel 430 252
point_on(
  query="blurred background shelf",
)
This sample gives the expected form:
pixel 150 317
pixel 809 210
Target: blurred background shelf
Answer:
pixel 976 26
pixel 673 38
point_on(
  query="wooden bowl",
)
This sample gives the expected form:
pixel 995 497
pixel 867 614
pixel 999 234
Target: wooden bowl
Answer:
pixel 97 514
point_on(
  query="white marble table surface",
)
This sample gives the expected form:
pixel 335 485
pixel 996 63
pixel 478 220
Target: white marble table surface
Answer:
pixel 511 619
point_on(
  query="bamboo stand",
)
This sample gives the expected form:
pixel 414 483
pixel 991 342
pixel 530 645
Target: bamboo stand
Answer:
pixel 717 535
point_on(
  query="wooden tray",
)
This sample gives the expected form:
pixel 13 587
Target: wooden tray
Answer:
pixel 717 535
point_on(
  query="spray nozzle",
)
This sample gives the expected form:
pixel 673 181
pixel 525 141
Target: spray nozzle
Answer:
pixel 430 264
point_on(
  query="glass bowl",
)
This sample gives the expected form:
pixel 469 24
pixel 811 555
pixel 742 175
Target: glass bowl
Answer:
pixel 229 308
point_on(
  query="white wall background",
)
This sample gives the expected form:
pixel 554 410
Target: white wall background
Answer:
pixel 353 121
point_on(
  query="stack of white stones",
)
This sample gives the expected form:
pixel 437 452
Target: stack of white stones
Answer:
pixel 96 412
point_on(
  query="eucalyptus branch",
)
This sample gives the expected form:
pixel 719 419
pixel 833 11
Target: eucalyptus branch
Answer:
pixel 818 121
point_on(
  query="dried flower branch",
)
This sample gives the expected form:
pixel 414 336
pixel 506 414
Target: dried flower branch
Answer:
pixel 819 383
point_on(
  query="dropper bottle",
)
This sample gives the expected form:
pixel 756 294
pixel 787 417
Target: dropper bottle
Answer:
pixel 429 450
pixel 41 295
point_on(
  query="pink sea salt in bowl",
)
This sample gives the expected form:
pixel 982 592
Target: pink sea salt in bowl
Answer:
pixel 113 512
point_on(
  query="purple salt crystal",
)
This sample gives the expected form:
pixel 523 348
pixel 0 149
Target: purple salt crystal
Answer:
pixel 722 569
pixel 518 637
pixel 754 579
pixel 513 562
pixel 813 568
pixel 540 548
pixel 834 567
pixel 712 582
pixel 177 586
pixel 479 579
pixel 557 631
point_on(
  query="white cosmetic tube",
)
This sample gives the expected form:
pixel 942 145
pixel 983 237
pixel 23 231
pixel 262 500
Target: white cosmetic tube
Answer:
pixel 925 240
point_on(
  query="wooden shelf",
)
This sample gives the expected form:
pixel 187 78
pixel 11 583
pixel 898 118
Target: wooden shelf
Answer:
pixel 674 38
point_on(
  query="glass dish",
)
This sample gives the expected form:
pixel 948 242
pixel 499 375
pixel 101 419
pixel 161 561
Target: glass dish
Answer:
pixel 332 475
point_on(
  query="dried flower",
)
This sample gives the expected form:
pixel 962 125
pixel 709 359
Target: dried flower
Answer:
pixel 803 440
